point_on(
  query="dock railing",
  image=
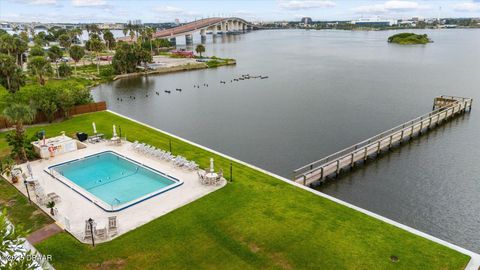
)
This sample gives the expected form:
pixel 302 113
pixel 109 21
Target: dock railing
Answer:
pixel 442 105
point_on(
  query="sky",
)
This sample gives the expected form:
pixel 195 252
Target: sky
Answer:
pixel 88 11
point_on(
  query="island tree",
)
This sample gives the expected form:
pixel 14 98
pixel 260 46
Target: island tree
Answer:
pixel 200 49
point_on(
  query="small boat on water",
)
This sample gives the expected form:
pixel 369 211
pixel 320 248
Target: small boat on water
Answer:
pixel 167 91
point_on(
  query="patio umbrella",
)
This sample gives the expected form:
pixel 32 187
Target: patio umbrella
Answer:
pixel 114 131
pixel 29 168
pixel 94 128
pixel 211 165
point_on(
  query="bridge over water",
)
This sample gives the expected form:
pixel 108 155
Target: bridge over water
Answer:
pixel 213 26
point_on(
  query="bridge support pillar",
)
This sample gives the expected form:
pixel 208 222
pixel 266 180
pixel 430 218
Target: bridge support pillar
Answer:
pixel 203 35
pixel 189 39
pixel 224 28
pixel 173 41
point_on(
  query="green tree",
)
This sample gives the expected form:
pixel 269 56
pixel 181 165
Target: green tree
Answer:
pixel 37 51
pixel 40 39
pixel 109 39
pixel 7 44
pixel 24 36
pixel 20 48
pixel 39 66
pixel 76 53
pixel 200 49
pixel 46 102
pixel 65 41
pixel 18 115
pixel 96 46
pixel 12 77
pixel 64 70
pixel 66 101
pixel 55 53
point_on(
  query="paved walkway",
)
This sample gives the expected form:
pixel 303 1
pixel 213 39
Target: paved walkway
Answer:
pixel 44 233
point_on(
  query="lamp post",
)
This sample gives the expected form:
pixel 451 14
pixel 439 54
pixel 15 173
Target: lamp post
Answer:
pixel 90 221
pixel 28 192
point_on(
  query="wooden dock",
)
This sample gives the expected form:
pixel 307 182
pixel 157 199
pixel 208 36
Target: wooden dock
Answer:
pixel 444 108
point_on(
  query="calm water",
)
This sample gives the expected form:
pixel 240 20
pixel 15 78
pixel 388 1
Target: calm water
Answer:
pixel 327 90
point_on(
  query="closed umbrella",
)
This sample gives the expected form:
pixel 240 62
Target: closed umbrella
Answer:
pixel 94 128
pixel 114 131
pixel 211 165
pixel 29 168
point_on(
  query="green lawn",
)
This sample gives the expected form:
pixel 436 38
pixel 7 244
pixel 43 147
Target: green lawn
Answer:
pixel 256 222
pixel 20 212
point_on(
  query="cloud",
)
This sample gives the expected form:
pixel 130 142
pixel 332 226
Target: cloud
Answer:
pixel 467 6
pixel 305 4
pixel 169 9
pixel 89 3
pixel 36 2
pixel 174 11
pixel 391 6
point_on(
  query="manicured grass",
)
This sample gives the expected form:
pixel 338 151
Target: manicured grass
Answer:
pixel 20 212
pixel 255 222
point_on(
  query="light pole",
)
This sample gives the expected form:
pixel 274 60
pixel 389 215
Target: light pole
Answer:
pixel 90 221
pixel 28 192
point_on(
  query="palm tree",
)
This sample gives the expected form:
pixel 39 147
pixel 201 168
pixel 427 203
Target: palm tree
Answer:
pixel 18 115
pixel 12 76
pixel 96 46
pixel 200 49
pixel 149 34
pixel 125 31
pixel 76 53
pixel 39 66
pixel 55 53
pixel 7 44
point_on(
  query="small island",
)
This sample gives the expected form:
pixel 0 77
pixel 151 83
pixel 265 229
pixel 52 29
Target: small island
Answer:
pixel 409 38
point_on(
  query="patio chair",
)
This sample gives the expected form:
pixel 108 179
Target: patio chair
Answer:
pixel 54 197
pixel 88 231
pixel 100 233
pixel 112 226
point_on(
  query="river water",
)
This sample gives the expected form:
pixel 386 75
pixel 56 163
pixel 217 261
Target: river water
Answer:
pixel 327 90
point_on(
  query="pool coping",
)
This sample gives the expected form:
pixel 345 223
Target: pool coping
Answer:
pixel 473 264
pixel 78 189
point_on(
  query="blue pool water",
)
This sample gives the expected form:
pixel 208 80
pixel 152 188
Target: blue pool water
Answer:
pixel 115 179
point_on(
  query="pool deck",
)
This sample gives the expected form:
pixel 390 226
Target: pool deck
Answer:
pixel 74 209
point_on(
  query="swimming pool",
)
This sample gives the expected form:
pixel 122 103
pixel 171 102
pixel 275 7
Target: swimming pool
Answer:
pixel 112 181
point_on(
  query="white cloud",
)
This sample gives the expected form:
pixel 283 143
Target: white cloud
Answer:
pixel 36 2
pixel 88 3
pixel 169 9
pixel 305 4
pixel 467 7
pixel 43 2
pixel 391 6
pixel 174 11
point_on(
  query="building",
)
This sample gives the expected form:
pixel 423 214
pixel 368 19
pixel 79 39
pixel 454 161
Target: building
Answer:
pixel 306 20
pixel 135 22
pixel 374 22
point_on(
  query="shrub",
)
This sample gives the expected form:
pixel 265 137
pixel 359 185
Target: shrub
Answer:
pixel 64 70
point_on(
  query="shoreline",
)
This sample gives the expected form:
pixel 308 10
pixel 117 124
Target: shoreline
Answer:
pixel 173 69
